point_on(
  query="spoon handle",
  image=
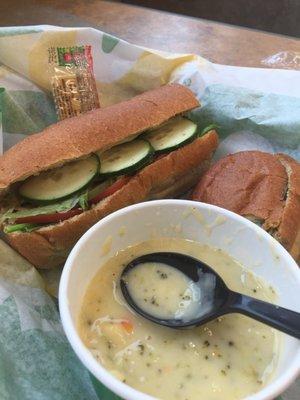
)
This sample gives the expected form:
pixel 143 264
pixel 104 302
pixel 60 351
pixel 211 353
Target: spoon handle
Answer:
pixel 278 317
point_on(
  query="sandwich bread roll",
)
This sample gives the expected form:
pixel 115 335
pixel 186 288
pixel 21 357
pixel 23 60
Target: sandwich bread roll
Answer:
pixel 171 168
pixel 262 187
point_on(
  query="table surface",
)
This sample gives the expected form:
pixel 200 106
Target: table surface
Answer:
pixel 220 43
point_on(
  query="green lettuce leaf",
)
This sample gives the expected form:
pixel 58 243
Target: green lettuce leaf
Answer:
pixel 20 228
pixel 3 215
pixel 83 201
pixel 62 206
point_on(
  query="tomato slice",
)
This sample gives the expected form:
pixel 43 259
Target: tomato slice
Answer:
pixel 110 190
pixel 49 218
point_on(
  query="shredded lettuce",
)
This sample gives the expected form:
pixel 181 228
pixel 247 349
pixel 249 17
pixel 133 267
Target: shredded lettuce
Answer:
pixel 3 215
pixel 62 206
pixel 20 228
pixel 83 201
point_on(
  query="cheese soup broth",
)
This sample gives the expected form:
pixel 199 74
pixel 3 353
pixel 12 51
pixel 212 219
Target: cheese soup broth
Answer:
pixel 227 359
pixel 165 292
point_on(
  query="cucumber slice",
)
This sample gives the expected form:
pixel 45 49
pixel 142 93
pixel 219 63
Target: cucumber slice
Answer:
pixel 125 157
pixel 172 135
pixel 61 182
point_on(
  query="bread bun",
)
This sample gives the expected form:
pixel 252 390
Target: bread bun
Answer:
pixel 93 131
pixel 262 187
pixel 99 130
pixel 169 176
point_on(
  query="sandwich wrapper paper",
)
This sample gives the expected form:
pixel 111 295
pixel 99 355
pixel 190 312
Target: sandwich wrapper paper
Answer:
pixel 255 108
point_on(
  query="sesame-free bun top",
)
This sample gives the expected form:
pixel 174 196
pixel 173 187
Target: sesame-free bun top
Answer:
pixel 260 186
pixel 95 130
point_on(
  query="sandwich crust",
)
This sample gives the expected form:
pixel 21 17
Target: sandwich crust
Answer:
pixel 169 176
pixel 93 131
pixel 260 186
pixel 288 232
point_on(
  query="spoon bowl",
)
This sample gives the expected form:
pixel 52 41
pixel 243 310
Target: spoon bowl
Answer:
pixel 215 300
pixel 192 268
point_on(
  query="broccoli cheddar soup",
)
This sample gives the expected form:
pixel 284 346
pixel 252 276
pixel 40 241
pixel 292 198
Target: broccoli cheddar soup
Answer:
pixel 228 358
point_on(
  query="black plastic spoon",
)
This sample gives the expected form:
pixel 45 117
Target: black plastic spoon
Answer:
pixel 222 300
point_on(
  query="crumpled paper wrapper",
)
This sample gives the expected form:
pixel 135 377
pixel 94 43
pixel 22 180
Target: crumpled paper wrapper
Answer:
pixel 255 108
